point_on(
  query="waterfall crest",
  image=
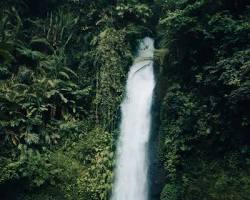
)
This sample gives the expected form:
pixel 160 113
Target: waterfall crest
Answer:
pixel 132 157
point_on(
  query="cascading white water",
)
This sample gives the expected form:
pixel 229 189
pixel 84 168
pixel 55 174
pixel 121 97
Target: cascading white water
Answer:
pixel 132 159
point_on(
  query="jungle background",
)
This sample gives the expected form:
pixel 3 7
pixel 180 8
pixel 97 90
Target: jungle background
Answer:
pixel 63 67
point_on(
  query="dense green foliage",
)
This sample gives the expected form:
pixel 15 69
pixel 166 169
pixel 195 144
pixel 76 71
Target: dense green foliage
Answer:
pixel 62 74
pixel 204 119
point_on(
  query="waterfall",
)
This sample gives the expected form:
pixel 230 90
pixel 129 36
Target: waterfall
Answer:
pixel 132 151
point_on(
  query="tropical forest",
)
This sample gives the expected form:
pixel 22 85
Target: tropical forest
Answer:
pixel 124 100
